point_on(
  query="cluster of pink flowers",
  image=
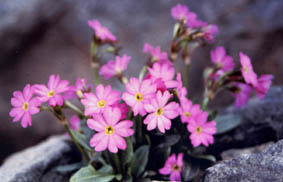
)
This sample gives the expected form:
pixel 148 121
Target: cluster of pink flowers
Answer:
pixel 182 14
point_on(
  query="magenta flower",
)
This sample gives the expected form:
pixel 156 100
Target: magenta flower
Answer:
pixel 110 131
pixel 123 108
pixel 160 114
pixel 115 67
pixel 53 92
pixel 139 93
pixel 165 72
pixel 180 12
pixel 219 57
pixel 100 31
pixel 24 106
pixel 75 122
pixel 104 98
pixel 201 131
pixel 247 70
pixel 209 32
pixel 188 110
pixel 156 54
pixel 173 166
pixel 181 91
pixel 77 90
pixel 264 83
pixel 242 94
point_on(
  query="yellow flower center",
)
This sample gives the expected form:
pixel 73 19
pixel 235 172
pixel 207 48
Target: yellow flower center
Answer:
pixel 25 106
pixel 139 97
pixel 51 93
pixel 246 69
pixel 101 103
pixel 159 111
pixel 187 114
pixel 176 167
pixel 109 130
pixel 198 130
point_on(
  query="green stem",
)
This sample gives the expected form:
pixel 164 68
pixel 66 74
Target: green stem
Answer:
pixel 186 75
pixel 139 129
pixel 117 163
pixel 69 105
pixel 142 73
pixel 95 61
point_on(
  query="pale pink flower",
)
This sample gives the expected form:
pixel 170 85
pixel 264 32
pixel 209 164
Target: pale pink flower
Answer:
pixel 115 67
pixel 218 56
pixel 247 70
pixel 78 89
pixel 180 12
pixel 188 110
pixel 165 72
pixel 75 122
pixel 24 105
pixel 181 91
pixel 52 93
pixel 173 166
pixel 264 83
pixel 139 93
pixel 160 113
pixel 104 98
pixel 156 54
pixel 100 31
pixel 201 131
pixel 242 94
pixel 209 32
pixel 110 131
pixel 123 108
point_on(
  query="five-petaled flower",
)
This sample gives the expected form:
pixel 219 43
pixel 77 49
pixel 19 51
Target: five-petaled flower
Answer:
pixel 110 131
pixel 201 130
pixel 139 93
pixel 101 32
pixel 24 105
pixel 161 113
pixel 173 166
pixel 188 110
pixel 224 63
pixel 52 93
pixel 242 94
pixel 247 70
pixel 105 97
pixel 263 85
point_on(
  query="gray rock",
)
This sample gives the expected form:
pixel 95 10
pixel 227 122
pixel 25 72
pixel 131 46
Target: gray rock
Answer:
pixel 38 163
pixel 261 167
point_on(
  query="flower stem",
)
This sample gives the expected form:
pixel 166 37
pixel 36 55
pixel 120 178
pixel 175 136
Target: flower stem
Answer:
pixel 117 163
pixel 142 73
pixel 94 61
pixel 69 105
pixel 139 129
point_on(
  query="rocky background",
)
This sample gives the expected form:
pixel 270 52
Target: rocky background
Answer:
pixel 39 38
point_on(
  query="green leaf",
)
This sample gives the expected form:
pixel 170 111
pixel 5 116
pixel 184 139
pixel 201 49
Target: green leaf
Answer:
pixel 88 174
pixel 127 155
pixel 140 160
pixel 69 167
pixel 169 140
pixel 225 123
pixel 106 169
pixel 82 140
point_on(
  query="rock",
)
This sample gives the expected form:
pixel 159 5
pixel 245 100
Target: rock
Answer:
pixel 261 167
pixel 262 121
pixel 38 163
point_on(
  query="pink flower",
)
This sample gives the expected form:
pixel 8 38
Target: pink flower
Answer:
pixel 219 57
pixel 264 83
pixel 160 114
pixel 181 91
pixel 78 89
pixel 173 166
pixel 156 54
pixel 247 70
pixel 139 93
pixel 180 12
pixel 165 72
pixel 75 122
pixel 201 131
pixel 209 32
pixel 101 32
pixel 242 94
pixel 188 110
pixel 24 106
pixel 123 108
pixel 115 67
pixel 110 131
pixel 104 98
pixel 53 92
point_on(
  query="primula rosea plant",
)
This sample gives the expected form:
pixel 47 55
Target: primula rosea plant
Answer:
pixel 152 129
